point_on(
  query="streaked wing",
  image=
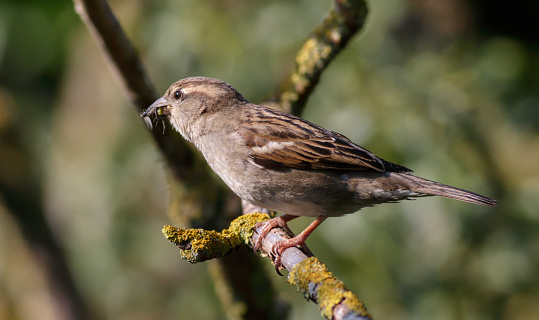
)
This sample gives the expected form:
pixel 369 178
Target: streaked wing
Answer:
pixel 281 141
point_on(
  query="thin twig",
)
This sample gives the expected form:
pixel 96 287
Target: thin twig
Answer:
pixel 320 48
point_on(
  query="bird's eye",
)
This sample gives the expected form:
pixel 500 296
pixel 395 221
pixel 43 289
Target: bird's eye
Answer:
pixel 178 94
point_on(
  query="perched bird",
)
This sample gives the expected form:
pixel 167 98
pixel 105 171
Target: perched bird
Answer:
pixel 286 164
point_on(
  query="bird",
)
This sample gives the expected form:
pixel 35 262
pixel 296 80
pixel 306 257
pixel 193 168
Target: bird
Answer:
pixel 284 163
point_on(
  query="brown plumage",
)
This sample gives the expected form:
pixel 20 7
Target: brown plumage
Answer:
pixel 287 164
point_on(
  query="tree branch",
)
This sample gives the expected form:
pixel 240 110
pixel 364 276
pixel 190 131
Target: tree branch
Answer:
pixel 124 60
pixel 320 48
pixel 319 285
pixel 127 66
pixel 309 274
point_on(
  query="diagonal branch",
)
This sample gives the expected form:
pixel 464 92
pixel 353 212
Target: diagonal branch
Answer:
pixel 320 48
pixel 124 60
pixel 126 64
pixel 318 284
pixel 308 274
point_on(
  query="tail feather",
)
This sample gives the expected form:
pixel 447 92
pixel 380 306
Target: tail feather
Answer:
pixel 433 188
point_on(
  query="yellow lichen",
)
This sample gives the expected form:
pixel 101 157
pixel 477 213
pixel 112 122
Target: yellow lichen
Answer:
pixel 198 245
pixel 243 226
pixel 311 56
pixel 318 284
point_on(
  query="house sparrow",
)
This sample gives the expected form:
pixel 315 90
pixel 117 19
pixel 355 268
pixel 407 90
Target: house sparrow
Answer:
pixel 286 164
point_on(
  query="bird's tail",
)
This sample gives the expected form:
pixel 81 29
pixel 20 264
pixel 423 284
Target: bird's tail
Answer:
pixel 433 188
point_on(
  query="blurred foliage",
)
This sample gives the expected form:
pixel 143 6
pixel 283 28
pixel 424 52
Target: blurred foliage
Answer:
pixel 446 88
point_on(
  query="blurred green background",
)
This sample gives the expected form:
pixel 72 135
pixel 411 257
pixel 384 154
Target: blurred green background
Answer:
pixel 447 88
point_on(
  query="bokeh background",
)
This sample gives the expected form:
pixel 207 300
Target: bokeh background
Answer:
pixel 447 88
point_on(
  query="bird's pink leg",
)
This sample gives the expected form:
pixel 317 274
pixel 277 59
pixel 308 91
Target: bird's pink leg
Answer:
pixel 298 240
pixel 270 224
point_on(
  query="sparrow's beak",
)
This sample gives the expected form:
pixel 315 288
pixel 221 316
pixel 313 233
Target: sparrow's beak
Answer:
pixel 159 108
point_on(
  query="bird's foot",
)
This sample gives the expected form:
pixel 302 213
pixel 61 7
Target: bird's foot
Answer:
pixel 266 226
pixel 280 246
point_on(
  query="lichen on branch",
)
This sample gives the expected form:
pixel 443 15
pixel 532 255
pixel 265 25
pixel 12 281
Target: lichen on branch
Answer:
pixel 197 245
pixel 319 49
pixel 318 284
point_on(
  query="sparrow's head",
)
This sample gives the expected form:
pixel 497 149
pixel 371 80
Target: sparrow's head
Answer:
pixel 190 98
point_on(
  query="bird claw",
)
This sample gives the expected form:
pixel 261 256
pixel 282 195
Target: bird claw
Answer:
pixel 278 265
pixel 279 247
pixel 266 226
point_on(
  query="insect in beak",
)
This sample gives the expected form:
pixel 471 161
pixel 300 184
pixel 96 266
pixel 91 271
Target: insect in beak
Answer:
pixel 159 108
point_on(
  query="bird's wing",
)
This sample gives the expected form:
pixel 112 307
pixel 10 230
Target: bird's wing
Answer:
pixel 279 140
